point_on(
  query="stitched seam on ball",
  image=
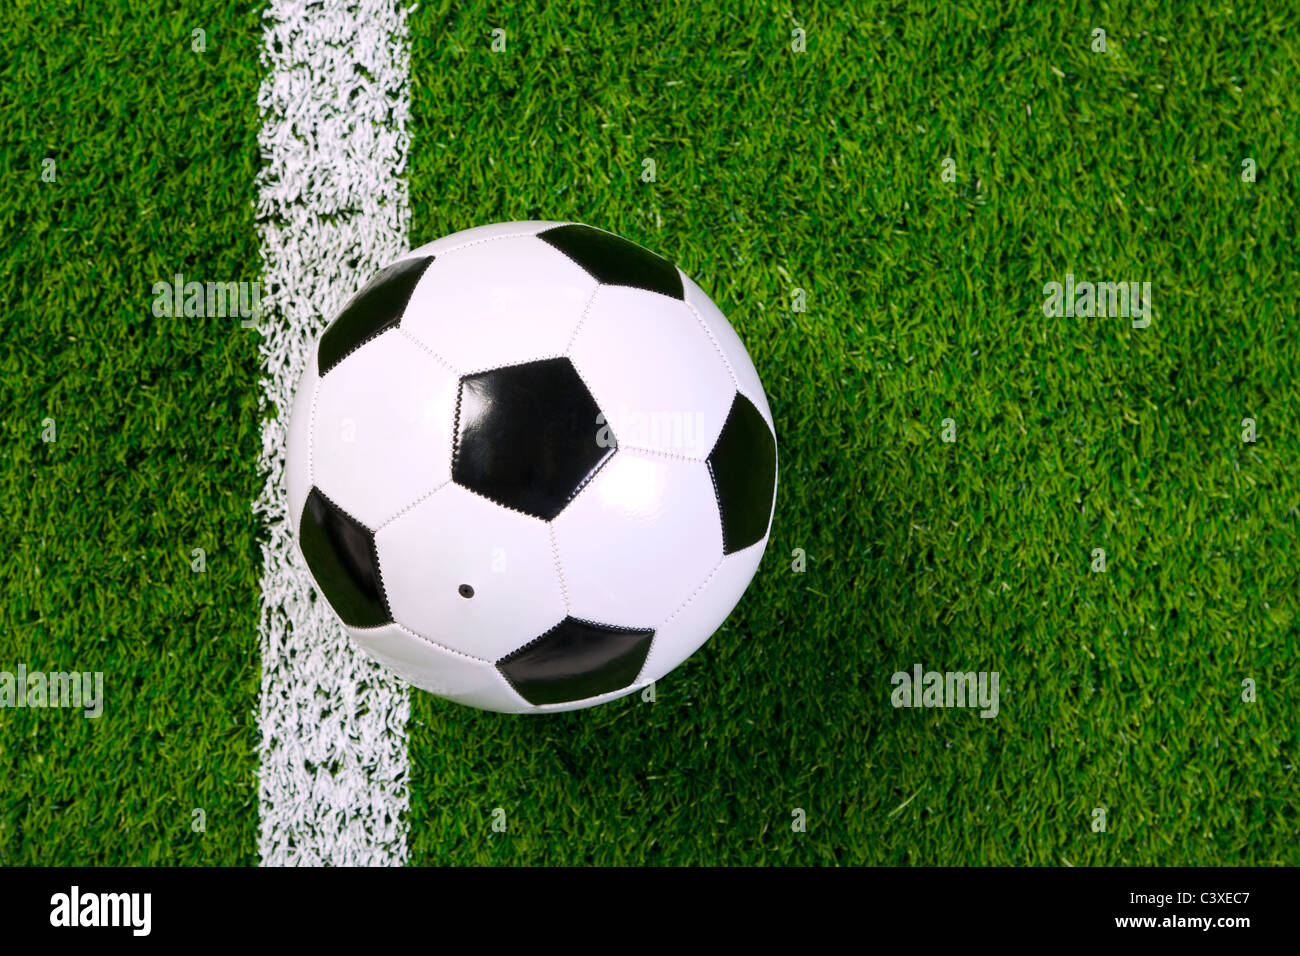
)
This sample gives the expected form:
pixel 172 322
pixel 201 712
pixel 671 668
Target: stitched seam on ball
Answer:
pixel 424 348
pixel 621 285
pixel 735 403
pixel 379 576
pixel 716 344
pixel 341 510
pixel 614 627
pixel 311 437
pixel 529 361
pixel 640 675
pixel 507 658
pixel 717 492
pixel 566 255
pixel 722 515
pixel 608 696
pixel 501 676
pixel 414 504
pixel 654 634
pixel 641 449
pixel 646 663
pixel 760 543
pixel 513 686
pixel 583 318
pixel 417 634
pixel 590 394
pixel 590 477
pixel 500 504
pixel 478 242
pixel 559 568
pixel 362 344
pixel 374 335
pixel 696 593
pixel 455 429
pixel 612 449
pixel 374 550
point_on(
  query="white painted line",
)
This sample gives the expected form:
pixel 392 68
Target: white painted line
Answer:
pixel 332 209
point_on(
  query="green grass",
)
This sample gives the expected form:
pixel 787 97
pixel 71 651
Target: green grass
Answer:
pixel 819 171
pixel 157 432
pixel 822 171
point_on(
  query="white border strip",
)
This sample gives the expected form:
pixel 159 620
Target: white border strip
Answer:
pixel 333 209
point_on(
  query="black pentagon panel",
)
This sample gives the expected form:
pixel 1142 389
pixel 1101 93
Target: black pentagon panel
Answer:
pixel 341 554
pixel 575 660
pixel 743 466
pixel 614 260
pixel 377 308
pixel 529 436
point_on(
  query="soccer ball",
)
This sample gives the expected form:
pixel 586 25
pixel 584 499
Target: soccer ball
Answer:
pixel 531 467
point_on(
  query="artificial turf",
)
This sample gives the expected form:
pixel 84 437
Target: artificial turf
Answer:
pixel 776 171
pixel 822 171
pixel 156 430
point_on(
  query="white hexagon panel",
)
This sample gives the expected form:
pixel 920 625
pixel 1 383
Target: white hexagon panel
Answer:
pixel 478 315
pixel 473 576
pixel 440 670
pixel 382 428
pixel 636 513
pixel 729 344
pixel 654 370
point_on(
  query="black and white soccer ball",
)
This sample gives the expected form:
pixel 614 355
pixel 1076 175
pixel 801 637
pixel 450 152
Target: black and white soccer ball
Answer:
pixel 531 467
